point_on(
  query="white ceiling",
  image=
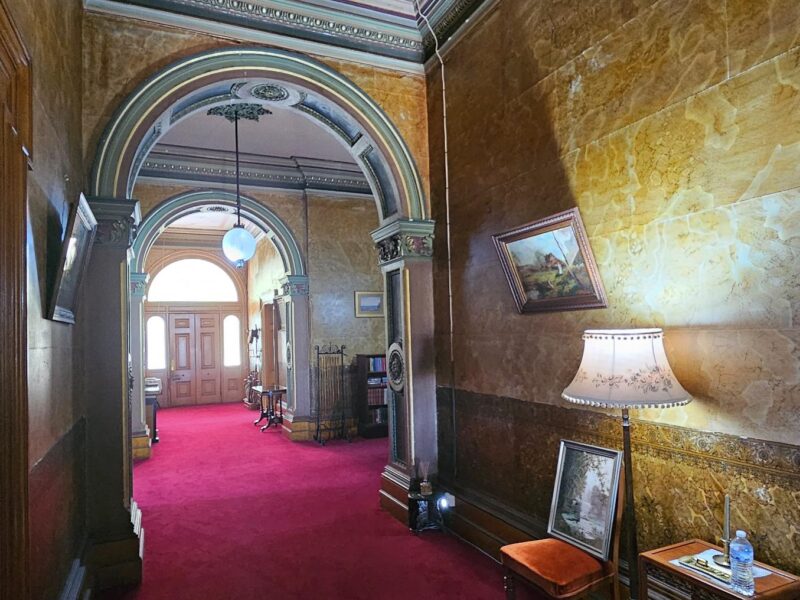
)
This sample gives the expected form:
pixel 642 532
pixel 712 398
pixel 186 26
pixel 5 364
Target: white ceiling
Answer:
pixel 212 221
pixel 284 133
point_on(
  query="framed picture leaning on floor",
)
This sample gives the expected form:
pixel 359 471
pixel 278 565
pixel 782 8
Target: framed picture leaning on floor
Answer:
pixel 585 497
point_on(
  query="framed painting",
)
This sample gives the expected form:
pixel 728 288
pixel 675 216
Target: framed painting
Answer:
pixel 75 250
pixel 549 265
pixel 585 497
pixel 369 304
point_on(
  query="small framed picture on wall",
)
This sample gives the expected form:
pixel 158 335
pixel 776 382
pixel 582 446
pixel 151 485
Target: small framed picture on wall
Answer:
pixel 369 304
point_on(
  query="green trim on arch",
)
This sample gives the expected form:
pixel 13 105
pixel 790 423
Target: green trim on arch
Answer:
pixel 178 206
pixel 137 117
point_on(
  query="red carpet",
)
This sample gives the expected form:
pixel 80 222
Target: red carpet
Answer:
pixel 230 512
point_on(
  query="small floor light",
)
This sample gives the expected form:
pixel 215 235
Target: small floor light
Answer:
pixel 626 368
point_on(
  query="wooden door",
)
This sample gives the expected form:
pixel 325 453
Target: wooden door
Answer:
pixel 268 345
pixel 15 103
pixel 208 354
pixel 182 382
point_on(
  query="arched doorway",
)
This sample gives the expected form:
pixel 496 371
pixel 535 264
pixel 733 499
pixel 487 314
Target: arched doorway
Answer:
pixel 404 239
pixel 295 288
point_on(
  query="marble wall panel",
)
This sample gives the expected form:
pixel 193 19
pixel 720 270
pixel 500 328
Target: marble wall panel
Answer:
pixel 680 475
pixel 759 30
pixel 674 131
pixel 343 259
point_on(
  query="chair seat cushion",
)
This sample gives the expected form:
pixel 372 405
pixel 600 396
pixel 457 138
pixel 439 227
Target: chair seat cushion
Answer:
pixel 556 567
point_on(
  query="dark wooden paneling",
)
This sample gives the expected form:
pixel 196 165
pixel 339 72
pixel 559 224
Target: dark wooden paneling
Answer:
pixel 57 512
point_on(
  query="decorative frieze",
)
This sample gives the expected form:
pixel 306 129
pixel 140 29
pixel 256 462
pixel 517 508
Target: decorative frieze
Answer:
pixel 404 239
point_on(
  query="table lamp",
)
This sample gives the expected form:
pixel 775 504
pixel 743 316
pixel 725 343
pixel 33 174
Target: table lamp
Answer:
pixel 626 368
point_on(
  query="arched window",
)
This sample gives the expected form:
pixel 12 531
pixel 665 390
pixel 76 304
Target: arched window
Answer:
pixel 231 342
pixel 156 343
pixel 192 280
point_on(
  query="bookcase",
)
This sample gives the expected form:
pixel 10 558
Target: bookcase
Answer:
pixel 371 395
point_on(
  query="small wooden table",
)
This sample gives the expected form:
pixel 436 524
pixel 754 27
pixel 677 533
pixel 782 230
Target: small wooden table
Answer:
pixel 269 397
pixel 687 583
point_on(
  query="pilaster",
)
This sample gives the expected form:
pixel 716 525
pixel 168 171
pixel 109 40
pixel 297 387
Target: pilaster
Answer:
pixel 295 295
pixel 140 432
pixel 114 522
pixel 405 251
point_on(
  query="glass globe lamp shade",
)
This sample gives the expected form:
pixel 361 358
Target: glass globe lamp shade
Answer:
pixel 238 245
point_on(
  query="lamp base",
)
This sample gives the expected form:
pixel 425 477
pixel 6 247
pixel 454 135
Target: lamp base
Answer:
pixel 722 560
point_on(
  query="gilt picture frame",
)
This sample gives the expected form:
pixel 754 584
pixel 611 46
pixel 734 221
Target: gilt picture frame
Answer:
pixel 75 250
pixel 549 265
pixel 368 304
pixel 585 497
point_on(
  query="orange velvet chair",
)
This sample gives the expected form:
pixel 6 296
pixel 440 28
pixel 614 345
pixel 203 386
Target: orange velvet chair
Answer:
pixel 560 570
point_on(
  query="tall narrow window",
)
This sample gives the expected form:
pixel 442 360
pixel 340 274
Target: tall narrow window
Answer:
pixel 231 342
pixel 192 280
pixel 156 343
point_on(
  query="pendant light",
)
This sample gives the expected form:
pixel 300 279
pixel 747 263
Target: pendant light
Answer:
pixel 238 244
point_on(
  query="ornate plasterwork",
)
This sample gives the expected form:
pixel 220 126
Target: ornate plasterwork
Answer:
pixel 116 221
pixel 381 32
pixel 199 165
pixel 139 285
pixel 270 92
pixel 403 240
pixel 241 110
pixel 396 367
pixel 294 285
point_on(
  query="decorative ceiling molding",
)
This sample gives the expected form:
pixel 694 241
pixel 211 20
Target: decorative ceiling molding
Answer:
pixel 385 34
pixel 203 166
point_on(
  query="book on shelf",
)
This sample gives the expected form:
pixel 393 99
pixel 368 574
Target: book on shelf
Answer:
pixel 375 397
pixel 377 364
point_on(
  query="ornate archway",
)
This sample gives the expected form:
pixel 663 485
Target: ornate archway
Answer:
pixel 404 240
pixel 266 75
pixel 295 290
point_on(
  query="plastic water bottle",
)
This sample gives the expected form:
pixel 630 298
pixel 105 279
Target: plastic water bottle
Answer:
pixel 741 551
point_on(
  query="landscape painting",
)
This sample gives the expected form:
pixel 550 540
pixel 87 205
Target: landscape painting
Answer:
pixel 585 497
pixel 549 265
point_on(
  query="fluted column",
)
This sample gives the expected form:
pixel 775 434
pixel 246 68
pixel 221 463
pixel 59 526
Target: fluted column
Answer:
pixel 295 297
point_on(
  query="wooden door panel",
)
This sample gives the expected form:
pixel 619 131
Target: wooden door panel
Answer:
pixel 182 386
pixel 208 358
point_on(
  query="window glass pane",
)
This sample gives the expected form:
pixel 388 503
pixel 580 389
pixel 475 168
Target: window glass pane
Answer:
pixel 192 280
pixel 156 343
pixel 231 342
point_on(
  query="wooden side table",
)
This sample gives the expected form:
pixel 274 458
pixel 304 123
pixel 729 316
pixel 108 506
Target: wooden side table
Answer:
pixel 683 583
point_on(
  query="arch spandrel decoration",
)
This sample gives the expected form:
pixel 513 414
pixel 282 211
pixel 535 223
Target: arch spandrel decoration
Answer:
pixel 183 204
pixel 139 121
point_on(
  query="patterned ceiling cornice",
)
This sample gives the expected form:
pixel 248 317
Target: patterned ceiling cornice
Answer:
pixel 388 30
pixel 195 165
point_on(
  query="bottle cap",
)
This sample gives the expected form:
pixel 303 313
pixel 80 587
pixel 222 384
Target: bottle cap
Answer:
pixel 740 533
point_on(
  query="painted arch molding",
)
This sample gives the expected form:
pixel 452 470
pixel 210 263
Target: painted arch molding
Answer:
pixel 275 78
pixel 181 205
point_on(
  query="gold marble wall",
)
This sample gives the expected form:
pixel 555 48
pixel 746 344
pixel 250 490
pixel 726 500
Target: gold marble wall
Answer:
pixel 674 126
pixel 51 31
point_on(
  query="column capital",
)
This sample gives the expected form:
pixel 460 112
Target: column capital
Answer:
pixel 294 285
pixel 403 239
pixel 139 285
pixel 117 220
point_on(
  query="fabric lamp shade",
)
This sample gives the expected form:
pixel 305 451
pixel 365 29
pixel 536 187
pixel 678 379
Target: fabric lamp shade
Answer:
pixel 625 368
pixel 238 245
